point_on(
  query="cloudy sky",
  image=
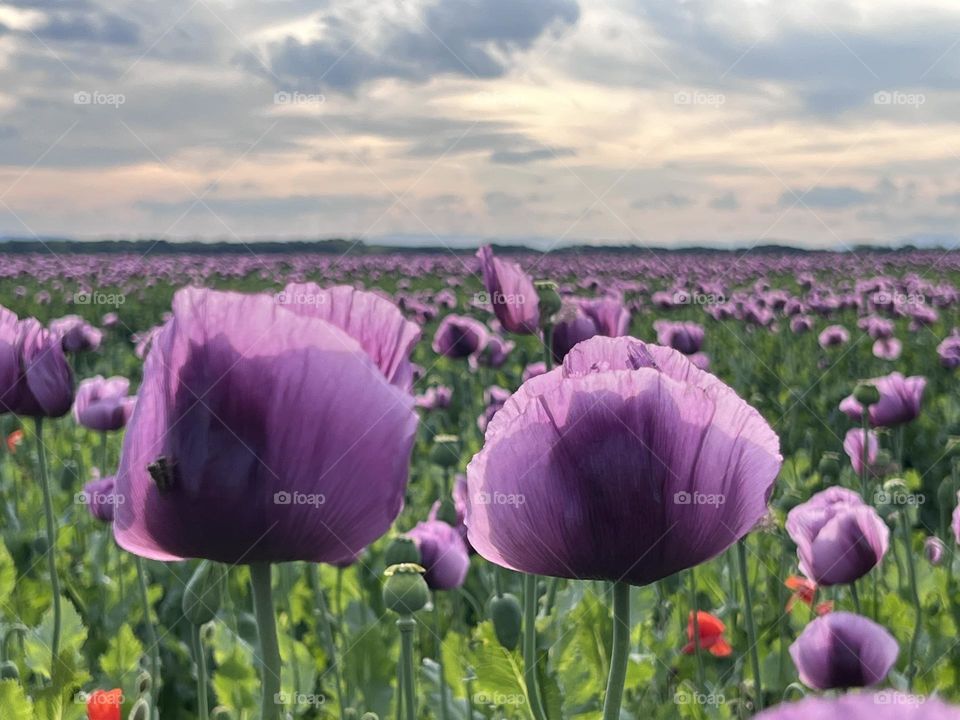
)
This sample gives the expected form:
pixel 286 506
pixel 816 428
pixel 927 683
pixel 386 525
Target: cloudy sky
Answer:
pixel 729 122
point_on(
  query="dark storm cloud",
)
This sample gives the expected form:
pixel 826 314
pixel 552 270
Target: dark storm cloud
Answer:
pixel 472 38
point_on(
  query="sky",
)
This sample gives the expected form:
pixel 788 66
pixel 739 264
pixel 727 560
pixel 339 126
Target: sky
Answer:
pixel 732 123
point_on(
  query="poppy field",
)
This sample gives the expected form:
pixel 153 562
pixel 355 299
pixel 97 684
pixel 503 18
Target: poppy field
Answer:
pixel 601 485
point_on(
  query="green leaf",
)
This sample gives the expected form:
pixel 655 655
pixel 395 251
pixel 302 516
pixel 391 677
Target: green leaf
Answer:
pixel 235 680
pixel 14 701
pixel 8 575
pixel 39 642
pixel 122 656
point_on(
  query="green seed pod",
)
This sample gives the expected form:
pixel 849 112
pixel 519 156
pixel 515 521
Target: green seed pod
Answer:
pixel 506 616
pixel 866 394
pixel 405 591
pixel 829 465
pixel 402 550
pixel 140 710
pixel 9 671
pixel 445 451
pixel 201 598
pixel 549 300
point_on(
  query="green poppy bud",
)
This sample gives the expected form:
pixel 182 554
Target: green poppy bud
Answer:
pixel 402 550
pixel 445 451
pixel 947 494
pixel 9 671
pixel 548 299
pixel 829 465
pixel 866 394
pixel 506 616
pixel 447 512
pixel 201 598
pixel 405 591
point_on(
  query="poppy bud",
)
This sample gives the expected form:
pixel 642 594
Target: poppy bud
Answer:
pixel 866 394
pixel 829 464
pixel 405 591
pixel 9 671
pixel 445 451
pixel 402 550
pixel 140 711
pixel 505 614
pixel 947 494
pixel 934 550
pixel 447 512
pixel 549 300
pixel 201 598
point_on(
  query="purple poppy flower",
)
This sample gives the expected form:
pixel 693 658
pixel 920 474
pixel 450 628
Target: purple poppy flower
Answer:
pixel 685 337
pixel 110 320
pixel 900 399
pixel 843 650
pixel 103 405
pixel 495 353
pixel 853 446
pixel 373 321
pixel 260 435
pixel 443 554
pixel 934 550
pixel 571 326
pixel 625 463
pixel 839 537
pixel 949 352
pixel 35 378
pixel 459 336
pixel 100 497
pixel 887 348
pixel 511 293
pixel 956 520
pixel 76 334
pixel 701 360
pixel 884 705
pixel 534 369
pixel 609 314
pixel 834 336
pixel 434 398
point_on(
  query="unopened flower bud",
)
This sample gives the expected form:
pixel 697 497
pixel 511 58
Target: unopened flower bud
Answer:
pixel 506 616
pixel 866 394
pixel 201 598
pixel 934 550
pixel 9 671
pixel 402 550
pixel 447 512
pixel 445 451
pixel 829 464
pixel 548 299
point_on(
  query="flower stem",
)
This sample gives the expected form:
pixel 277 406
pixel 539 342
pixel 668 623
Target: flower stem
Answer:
pixel 51 545
pixel 912 570
pixel 856 598
pixel 695 609
pixel 201 661
pixel 864 455
pixel 530 645
pixel 751 626
pixel 406 625
pixel 151 638
pixel 328 640
pixel 620 651
pixel 439 658
pixel 269 649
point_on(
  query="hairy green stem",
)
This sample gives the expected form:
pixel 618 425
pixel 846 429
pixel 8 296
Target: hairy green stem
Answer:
pixel 151 638
pixel 751 626
pixel 915 595
pixel 620 652
pixel 328 640
pixel 269 649
pixel 530 646
pixel 201 660
pixel 51 545
pixel 695 609
pixel 406 625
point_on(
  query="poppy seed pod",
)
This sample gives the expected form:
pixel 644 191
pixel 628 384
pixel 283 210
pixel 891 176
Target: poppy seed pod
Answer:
pixel 507 619
pixel 549 300
pixel 445 451
pixel 866 394
pixel 405 591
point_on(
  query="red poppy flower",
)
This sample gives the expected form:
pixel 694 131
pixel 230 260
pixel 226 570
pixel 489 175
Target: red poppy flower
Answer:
pixel 104 704
pixel 711 635
pixel 13 441
pixel 805 591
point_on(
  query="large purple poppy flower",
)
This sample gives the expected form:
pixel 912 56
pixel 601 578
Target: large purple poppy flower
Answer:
pixel 103 405
pixel 900 399
pixel 260 435
pixel 839 537
pixel 443 554
pixel 853 447
pixel 459 336
pixel 884 705
pixel 76 334
pixel 35 378
pixel 685 337
pixel 373 321
pixel 843 650
pixel 625 463
pixel 511 293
